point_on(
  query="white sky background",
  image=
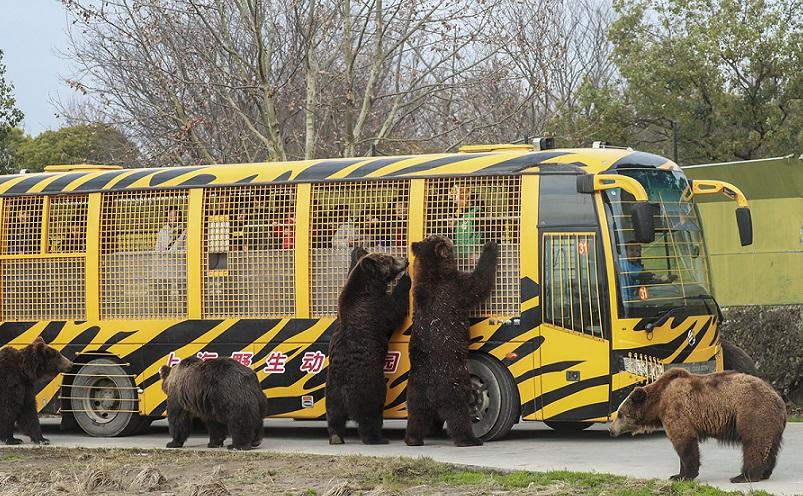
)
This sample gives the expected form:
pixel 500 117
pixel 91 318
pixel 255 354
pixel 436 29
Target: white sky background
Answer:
pixel 32 32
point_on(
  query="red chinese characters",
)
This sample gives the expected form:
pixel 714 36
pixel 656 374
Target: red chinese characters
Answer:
pixel 206 355
pixel 274 364
pixel 244 357
pixel 312 362
pixel 392 362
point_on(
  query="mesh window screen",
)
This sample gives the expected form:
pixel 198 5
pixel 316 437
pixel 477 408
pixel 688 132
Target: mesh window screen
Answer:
pixel 472 211
pixel 44 289
pixel 345 215
pixel 144 255
pixel 66 232
pixel 23 221
pixel 249 251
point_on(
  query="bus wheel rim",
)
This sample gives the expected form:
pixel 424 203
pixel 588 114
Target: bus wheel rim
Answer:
pixel 100 399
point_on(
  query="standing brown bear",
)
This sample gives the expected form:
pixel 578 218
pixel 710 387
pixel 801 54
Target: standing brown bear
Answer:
pixel 19 372
pixel 439 386
pixel 369 310
pixel 728 406
pixel 223 393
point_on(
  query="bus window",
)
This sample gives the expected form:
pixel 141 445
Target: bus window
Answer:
pixel 41 288
pixel 471 212
pixel 571 293
pixel 249 240
pixel 23 221
pixel 144 254
pixel 344 215
pixel 66 232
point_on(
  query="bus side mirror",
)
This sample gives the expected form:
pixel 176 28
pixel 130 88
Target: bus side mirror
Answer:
pixel 745 222
pixel 641 213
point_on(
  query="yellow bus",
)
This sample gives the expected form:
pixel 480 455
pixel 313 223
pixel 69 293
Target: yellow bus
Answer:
pixel 602 282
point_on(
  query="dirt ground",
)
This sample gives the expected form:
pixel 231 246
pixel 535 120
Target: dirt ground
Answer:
pixel 48 471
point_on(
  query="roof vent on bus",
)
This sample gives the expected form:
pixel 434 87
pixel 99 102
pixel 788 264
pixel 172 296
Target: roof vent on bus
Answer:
pixel 544 143
pixel 80 167
pixel 600 144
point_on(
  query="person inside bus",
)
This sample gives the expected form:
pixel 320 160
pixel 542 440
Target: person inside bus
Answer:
pixel 399 228
pixel 23 237
pixel 172 236
pixel 74 237
pixel 469 229
pixel 284 230
pixel 346 235
pixel 633 274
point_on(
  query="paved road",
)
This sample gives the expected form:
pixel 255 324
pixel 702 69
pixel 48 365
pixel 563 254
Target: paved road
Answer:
pixel 530 446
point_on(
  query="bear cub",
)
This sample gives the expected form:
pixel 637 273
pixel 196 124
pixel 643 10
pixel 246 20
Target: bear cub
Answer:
pixel 439 386
pixel 728 406
pixel 370 308
pixel 20 370
pixel 223 393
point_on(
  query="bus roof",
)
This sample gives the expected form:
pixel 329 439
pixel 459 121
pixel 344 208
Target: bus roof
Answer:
pixel 517 161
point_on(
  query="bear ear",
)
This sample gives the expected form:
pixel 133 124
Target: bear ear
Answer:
pixel 164 371
pixel 39 340
pixel 415 246
pixel 639 395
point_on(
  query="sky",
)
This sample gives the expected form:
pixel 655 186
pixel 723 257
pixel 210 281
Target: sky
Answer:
pixel 31 34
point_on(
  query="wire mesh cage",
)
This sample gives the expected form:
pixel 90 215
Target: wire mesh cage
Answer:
pixel 471 212
pixel 22 219
pixel 349 214
pixel 249 251
pixel 66 231
pixel 144 254
pixel 44 289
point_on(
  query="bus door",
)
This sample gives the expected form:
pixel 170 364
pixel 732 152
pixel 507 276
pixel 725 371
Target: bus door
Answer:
pixel 575 351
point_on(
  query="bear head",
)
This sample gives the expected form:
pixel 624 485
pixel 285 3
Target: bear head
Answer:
pixel 42 362
pixel 378 270
pixel 640 412
pixel 434 252
pixel 167 373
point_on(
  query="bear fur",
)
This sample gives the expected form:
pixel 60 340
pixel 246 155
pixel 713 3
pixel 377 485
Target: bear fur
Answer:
pixel 223 393
pixel 20 370
pixel 728 406
pixel 439 386
pixel 370 309
pixel 735 358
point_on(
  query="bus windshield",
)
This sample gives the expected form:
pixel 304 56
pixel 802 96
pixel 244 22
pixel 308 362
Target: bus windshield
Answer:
pixel 671 271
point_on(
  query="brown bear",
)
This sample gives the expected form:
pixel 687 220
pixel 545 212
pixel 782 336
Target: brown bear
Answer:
pixel 439 386
pixel 20 370
pixel 735 358
pixel 223 393
pixel 728 406
pixel 370 309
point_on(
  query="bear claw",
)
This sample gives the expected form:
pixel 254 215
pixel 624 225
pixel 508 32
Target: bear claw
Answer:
pixel 174 444
pixel 42 441
pixel 380 440
pixel 741 478
pixel 13 441
pixel 681 477
pixel 335 439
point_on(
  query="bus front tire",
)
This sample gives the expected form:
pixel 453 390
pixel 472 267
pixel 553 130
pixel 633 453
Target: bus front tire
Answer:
pixel 495 399
pixel 102 400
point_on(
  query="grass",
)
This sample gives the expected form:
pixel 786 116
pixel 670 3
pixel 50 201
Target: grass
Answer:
pixel 301 475
pixel 795 418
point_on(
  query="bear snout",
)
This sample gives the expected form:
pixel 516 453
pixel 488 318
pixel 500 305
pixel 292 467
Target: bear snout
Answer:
pixel 65 365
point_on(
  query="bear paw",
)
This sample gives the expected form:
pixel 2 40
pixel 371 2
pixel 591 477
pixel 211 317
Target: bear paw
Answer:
pixel 413 442
pixel 742 478
pixel 12 441
pixel 214 444
pixel 336 439
pixel 174 444
pixel 682 477
pixel 43 441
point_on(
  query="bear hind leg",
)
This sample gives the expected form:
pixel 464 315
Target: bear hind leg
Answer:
pixel 458 426
pixel 336 417
pixel 369 425
pixel 754 468
pixel 179 423
pixel 217 434
pixel 242 430
pixel 7 419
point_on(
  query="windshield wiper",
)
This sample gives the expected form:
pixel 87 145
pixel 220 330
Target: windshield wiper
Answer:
pixel 664 317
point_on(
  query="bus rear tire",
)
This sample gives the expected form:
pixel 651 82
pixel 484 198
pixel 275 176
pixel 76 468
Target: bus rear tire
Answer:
pixel 568 426
pixel 495 399
pixel 100 388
